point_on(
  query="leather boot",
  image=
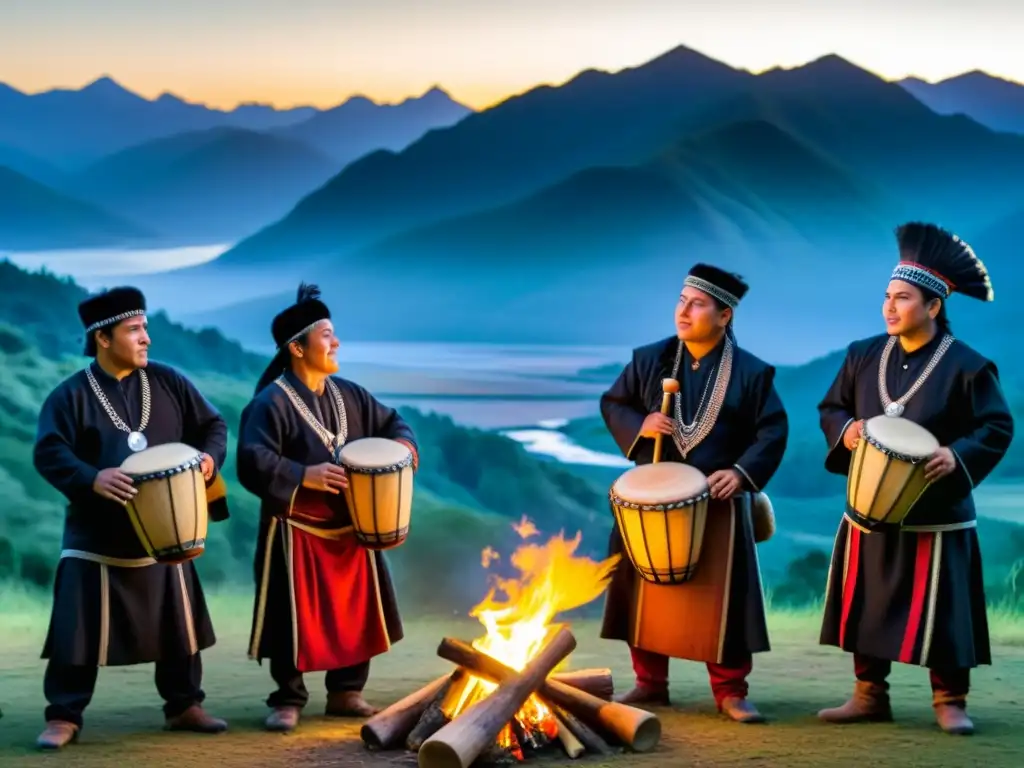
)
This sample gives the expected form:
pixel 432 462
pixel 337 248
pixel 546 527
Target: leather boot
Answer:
pixel 643 695
pixel 869 704
pixel 58 733
pixel 197 720
pixel 952 718
pixel 348 704
pixel 282 719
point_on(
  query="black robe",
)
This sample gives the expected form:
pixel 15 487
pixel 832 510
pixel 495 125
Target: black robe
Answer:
pixel 274 447
pixel 916 594
pixel 112 604
pixel 750 435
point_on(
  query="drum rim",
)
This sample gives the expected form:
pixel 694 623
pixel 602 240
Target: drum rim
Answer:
pixel 873 442
pixel 664 506
pixel 169 472
pixel 363 470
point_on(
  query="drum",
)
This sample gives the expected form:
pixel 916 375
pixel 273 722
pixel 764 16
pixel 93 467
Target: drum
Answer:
pixel 379 492
pixel 169 512
pixel 661 510
pixel 887 471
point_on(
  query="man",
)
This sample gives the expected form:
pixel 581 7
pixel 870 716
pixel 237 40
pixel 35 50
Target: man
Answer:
pixel 323 602
pixel 729 423
pixel 113 605
pixel 914 594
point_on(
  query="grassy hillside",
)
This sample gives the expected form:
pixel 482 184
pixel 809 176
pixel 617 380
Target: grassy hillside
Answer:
pixel 471 487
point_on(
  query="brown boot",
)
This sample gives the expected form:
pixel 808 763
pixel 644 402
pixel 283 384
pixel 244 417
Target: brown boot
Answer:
pixel 58 733
pixel 348 704
pixel 644 696
pixel 740 710
pixel 952 718
pixel 282 719
pixel 869 704
pixel 196 719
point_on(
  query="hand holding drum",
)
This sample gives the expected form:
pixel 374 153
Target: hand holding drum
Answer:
pixel 326 477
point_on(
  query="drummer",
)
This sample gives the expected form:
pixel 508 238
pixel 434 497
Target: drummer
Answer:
pixel 323 603
pixel 731 425
pixel 113 605
pixel 915 595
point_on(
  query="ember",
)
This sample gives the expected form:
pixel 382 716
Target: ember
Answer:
pixel 505 699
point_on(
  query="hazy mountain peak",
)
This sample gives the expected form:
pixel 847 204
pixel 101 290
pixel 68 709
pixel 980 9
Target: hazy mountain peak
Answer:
pixel 106 85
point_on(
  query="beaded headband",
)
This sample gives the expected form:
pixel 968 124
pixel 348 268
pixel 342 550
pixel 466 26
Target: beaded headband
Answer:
pixel 713 290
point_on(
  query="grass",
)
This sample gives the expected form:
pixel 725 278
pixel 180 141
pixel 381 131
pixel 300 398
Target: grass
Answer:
pixel 124 723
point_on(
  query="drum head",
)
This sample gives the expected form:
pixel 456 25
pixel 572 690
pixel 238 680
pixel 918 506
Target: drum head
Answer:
pixel 901 436
pixel 159 458
pixel 661 483
pixel 374 453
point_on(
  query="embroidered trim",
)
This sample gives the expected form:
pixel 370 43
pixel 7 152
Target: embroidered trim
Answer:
pixel 721 294
pixel 114 319
pixel 921 277
pixel 331 441
pixel 689 436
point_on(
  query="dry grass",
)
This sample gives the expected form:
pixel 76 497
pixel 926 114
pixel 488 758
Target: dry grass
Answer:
pixel 799 677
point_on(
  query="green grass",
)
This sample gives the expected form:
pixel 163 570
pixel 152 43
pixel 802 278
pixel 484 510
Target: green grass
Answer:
pixel 123 724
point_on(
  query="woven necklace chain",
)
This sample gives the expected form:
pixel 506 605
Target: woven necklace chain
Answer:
pixel 895 408
pixel 136 440
pixel 331 441
pixel 689 436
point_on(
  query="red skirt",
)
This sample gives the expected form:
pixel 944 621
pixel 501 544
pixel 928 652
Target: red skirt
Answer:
pixel 337 615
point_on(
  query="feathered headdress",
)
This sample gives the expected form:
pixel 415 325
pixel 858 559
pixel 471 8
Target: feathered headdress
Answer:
pixel 932 258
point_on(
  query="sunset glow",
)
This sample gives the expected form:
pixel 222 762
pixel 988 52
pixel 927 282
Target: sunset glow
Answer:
pixel 314 52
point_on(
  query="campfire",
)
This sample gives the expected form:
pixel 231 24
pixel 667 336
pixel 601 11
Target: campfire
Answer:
pixel 509 697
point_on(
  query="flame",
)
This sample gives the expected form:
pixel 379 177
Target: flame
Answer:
pixel 518 612
pixel 525 528
pixel 488 556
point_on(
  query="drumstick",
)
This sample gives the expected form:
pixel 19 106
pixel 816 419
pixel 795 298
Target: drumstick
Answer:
pixel 668 388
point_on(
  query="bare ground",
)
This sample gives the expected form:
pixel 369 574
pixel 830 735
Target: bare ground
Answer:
pixel 123 724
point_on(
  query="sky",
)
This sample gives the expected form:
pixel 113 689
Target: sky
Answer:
pixel 320 52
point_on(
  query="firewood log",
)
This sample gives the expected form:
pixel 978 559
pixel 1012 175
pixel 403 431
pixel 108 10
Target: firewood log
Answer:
pixel 460 742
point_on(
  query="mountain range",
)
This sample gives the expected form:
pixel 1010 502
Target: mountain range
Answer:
pixel 515 224
pixel 107 117
pixel 992 101
pixel 184 172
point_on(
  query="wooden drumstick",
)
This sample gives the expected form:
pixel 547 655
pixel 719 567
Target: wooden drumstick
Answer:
pixel 669 387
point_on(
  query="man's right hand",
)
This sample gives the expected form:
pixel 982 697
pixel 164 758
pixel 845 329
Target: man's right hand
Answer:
pixel 115 485
pixel 326 477
pixel 852 435
pixel 656 423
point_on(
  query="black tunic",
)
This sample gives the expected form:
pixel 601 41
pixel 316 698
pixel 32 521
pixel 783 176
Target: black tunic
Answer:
pixel 274 447
pixel 112 604
pixel 916 594
pixel 750 435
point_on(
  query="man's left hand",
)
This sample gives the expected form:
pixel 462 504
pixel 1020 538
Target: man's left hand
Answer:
pixel 942 463
pixel 206 465
pixel 724 483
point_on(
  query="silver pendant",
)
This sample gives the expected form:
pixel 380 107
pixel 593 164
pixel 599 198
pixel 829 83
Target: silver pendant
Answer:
pixel 894 410
pixel 137 441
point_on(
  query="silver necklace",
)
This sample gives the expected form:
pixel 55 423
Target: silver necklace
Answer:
pixel 689 436
pixel 332 442
pixel 136 440
pixel 895 408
